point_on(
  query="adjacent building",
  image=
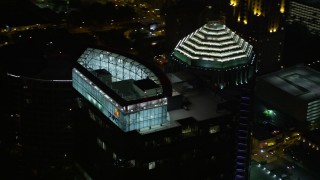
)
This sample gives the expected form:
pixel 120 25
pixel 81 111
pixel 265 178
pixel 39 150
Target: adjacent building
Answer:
pixel 294 92
pixel 263 12
pixel 265 139
pixel 261 23
pixel 305 12
pixel 218 52
pixel 39 100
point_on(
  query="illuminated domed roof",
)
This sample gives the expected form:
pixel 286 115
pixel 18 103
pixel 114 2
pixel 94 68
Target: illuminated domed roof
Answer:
pixel 213 46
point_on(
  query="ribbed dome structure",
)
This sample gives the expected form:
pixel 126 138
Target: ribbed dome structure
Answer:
pixel 215 48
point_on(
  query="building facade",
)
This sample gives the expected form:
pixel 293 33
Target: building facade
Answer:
pixel 248 11
pixel 294 92
pixel 305 12
pixel 125 129
pixel 262 24
pixel 42 112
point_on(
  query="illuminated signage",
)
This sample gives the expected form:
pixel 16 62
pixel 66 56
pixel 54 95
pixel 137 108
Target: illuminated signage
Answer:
pixel 116 112
pixel 113 117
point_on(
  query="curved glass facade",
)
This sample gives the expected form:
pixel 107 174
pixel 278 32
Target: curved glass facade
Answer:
pixel 120 68
pixel 144 114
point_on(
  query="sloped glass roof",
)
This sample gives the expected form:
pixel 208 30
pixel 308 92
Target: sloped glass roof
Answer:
pixel 123 71
pixel 213 46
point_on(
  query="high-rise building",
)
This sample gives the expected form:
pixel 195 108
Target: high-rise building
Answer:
pixel 305 12
pixel 302 32
pixel 293 92
pixel 40 99
pixel 218 52
pixel 134 121
pixel 250 11
pixel 261 23
pixel 182 17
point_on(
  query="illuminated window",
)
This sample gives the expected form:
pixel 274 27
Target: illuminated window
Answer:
pixel 271 143
pixel 101 144
pixel 186 130
pixel 79 102
pixel 214 129
pixel 92 116
pixel 132 163
pixel 94 101
pixel 28 101
pixel 167 140
pixel 269 113
pixel 152 165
